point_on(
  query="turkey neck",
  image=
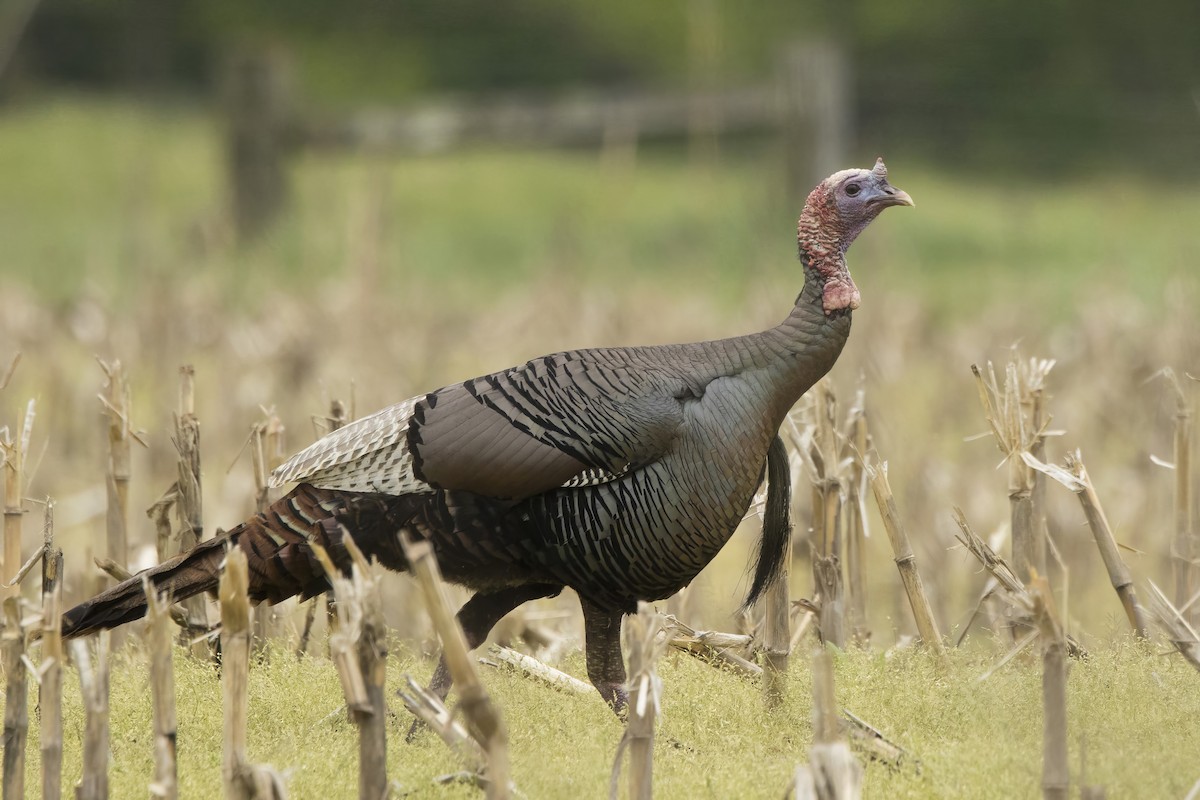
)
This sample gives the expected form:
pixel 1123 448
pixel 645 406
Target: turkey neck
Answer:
pixel 785 361
pixel 799 351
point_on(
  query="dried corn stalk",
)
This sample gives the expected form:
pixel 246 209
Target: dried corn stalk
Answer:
pixel 906 561
pixel 645 644
pixel 1175 625
pixel 1075 477
pixel 12 461
pixel 1015 415
pixel 1009 585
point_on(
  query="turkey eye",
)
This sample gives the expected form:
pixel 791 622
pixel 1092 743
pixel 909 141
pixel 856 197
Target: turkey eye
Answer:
pixel 852 189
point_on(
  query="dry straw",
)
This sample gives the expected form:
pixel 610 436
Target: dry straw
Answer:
pixel 52 556
pixel 832 458
pixel 336 419
pixel 429 708
pixel 856 520
pixel 266 453
pixel 827 468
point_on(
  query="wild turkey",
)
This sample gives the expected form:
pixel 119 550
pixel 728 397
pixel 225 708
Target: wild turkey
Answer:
pixel 619 472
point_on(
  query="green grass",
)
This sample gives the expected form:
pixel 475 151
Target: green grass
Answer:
pixel 106 195
pixel 1134 709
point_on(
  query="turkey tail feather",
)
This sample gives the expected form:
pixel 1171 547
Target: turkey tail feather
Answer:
pixel 777 524
pixel 276 543
pixel 181 577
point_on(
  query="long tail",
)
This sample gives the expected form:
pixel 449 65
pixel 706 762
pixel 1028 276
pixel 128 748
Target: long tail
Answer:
pixel 181 577
pixel 276 542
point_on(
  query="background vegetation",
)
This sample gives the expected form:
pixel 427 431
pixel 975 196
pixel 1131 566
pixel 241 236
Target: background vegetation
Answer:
pixel 1049 86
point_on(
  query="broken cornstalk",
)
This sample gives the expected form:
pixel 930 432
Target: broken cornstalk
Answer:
pixel 837 774
pixel 50 694
pixel 1185 549
pixel 856 529
pixel 162 693
pixel 1012 587
pixel 93 785
pixel 1175 624
pixel 16 705
pixel 530 667
pixel 483 718
pixel 13 452
pixel 1014 414
pixel 1075 477
pixel 235 662
pixel 358 646
pixel 906 561
pixel 242 780
pixel 189 505
pixel 266 453
pixel 826 517
pixel 429 708
pixel 645 644
pixel 1056 780
pixel 52 556
pixel 713 646
pixel 116 401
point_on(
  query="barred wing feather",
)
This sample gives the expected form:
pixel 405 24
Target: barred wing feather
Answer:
pixel 368 455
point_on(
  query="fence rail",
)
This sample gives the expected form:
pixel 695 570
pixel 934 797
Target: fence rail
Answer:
pixel 807 104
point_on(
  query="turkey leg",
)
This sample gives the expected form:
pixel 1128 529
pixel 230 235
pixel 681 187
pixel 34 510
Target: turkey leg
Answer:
pixel 602 647
pixel 477 617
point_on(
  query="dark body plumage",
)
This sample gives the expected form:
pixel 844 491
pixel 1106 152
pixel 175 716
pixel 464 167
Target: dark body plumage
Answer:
pixel 619 472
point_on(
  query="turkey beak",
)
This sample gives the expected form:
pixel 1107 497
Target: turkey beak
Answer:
pixel 891 196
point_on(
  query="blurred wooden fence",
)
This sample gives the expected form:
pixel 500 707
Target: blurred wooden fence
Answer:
pixel 807 105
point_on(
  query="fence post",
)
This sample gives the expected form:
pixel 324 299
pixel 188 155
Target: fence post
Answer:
pixel 258 109
pixel 816 104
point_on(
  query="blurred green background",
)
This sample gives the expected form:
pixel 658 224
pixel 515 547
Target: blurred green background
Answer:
pixel 1050 86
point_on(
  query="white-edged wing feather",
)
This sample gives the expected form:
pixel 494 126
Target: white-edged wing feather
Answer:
pixel 368 455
